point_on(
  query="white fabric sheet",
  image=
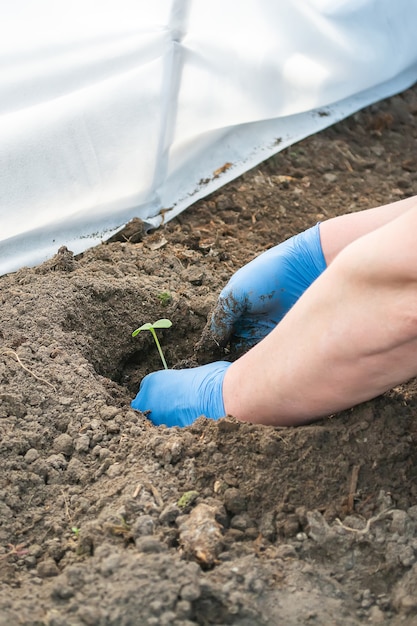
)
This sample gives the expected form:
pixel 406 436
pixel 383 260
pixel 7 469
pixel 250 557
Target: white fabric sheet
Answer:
pixel 118 109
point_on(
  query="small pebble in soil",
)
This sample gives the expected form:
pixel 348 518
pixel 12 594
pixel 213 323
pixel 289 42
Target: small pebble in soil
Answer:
pixel 47 569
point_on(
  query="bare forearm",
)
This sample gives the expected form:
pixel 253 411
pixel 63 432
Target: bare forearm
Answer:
pixel 351 336
pixel 338 232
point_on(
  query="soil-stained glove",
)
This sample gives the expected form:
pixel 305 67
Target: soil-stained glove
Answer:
pixel 258 295
pixel 178 397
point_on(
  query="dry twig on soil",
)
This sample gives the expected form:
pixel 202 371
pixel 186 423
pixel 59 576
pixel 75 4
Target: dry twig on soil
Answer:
pixel 371 520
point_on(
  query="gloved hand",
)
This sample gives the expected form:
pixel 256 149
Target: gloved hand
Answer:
pixel 258 295
pixel 178 397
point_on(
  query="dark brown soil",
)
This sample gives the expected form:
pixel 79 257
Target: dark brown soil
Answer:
pixel 106 520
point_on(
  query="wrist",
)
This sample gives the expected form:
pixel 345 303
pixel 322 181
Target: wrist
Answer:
pixel 211 391
pixel 309 247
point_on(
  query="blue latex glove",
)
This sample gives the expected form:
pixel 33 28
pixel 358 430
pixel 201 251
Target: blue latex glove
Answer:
pixel 178 397
pixel 258 295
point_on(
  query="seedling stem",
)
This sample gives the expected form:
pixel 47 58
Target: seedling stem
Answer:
pixel 164 323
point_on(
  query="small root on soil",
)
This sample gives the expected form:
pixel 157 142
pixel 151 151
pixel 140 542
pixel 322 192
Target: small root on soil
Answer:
pixel 10 352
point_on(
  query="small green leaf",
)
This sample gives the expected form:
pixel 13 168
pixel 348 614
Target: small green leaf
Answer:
pixel 164 297
pixel 164 323
pixel 146 326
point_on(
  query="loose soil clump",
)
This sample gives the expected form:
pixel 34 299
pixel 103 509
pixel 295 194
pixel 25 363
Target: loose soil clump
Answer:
pixel 106 520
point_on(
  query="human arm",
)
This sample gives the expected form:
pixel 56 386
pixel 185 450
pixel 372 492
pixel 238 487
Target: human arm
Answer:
pixel 259 294
pixel 349 338
pixel 327 353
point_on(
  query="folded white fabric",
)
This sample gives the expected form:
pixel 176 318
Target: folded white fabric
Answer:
pixel 118 109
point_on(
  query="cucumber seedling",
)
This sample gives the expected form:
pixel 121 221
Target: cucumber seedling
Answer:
pixel 164 323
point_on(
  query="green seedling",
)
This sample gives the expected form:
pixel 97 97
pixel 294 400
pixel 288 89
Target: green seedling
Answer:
pixel 164 323
pixel 164 298
pixel 76 531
